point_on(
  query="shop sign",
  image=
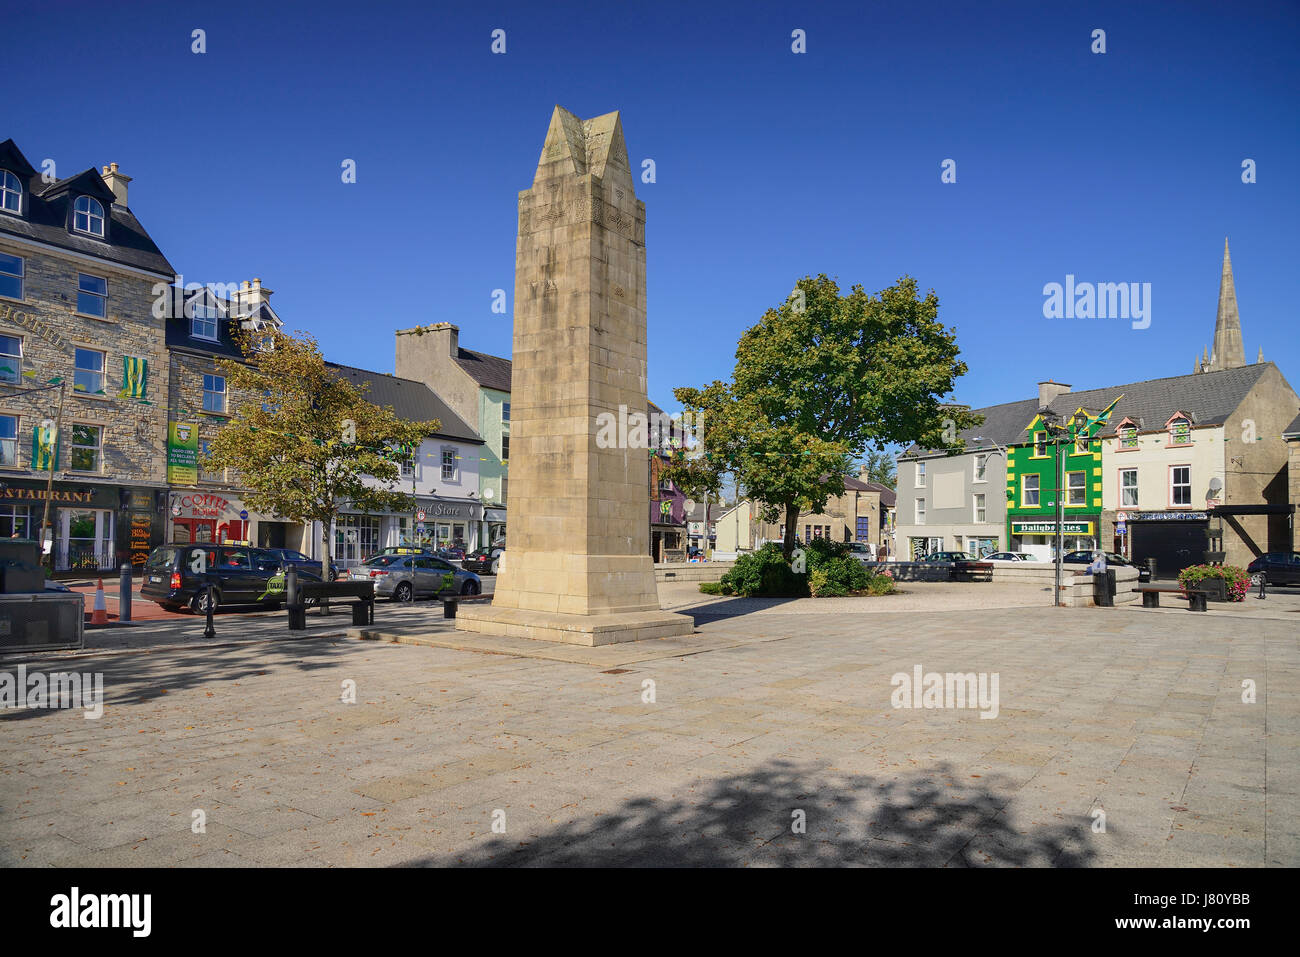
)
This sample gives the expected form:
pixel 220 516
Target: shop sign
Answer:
pixel 182 453
pixel 466 510
pixel 1049 528
pixel 140 530
pixel 1170 517
pixel 200 505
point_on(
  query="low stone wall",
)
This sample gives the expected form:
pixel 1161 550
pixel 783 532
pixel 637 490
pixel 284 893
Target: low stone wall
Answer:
pixel 691 571
pixel 1076 588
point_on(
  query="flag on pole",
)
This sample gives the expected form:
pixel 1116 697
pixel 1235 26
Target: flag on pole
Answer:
pixel 135 377
pixel 45 448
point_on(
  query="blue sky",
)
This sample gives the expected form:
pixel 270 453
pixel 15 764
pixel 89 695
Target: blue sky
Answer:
pixel 1121 167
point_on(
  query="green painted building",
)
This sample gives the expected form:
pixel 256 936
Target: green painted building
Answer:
pixel 1047 464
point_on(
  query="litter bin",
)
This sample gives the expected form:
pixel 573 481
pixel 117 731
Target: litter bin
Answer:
pixel 1103 588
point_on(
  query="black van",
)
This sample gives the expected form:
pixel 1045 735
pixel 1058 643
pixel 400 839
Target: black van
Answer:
pixel 178 575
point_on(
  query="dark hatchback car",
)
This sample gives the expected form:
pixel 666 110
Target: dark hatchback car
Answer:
pixel 290 556
pixel 1277 568
pixel 1084 557
pixel 176 576
pixel 484 561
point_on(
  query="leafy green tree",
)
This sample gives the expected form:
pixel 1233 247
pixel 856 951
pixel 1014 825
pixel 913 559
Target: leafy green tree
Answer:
pixel 880 467
pixel 307 448
pixel 820 380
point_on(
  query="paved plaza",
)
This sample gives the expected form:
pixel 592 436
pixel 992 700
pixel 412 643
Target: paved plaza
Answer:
pixel 770 740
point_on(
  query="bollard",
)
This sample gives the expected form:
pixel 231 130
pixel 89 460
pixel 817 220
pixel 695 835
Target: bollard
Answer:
pixel 291 586
pixel 124 593
pixel 1263 580
pixel 209 631
pixel 1151 567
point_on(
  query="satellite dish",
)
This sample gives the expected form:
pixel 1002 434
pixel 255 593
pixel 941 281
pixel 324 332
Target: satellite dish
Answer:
pixel 488 494
pixel 1215 485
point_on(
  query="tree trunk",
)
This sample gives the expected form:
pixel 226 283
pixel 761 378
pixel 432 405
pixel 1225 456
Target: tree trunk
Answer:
pixel 791 520
pixel 325 562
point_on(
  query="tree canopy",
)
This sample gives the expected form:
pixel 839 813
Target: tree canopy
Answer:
pixel 821 379
pixel 307 448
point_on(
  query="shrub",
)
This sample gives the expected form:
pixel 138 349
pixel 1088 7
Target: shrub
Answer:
pixel 764 573
pixel 882 584
pixel 1236 581
pixel 712 588
pixel 838 575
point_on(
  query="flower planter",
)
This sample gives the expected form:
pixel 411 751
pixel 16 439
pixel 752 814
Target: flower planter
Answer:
pixel 1216 589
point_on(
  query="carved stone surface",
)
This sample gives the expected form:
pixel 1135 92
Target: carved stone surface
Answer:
pixel 577 566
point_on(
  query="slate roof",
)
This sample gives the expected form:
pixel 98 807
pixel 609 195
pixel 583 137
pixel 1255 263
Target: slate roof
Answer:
pixel 888 497
pixel 1208 397
pixel 47 212
pixel 1293 428
pixel 491 372
pixel 410 400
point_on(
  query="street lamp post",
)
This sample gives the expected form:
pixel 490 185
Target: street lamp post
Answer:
pixel 49 479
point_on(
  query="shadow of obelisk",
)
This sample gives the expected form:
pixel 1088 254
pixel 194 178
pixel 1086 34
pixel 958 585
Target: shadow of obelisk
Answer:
pixel 577 568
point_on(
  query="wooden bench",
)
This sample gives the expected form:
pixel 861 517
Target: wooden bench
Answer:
pixel 451 601
pixel 972 572
pixel 1196 597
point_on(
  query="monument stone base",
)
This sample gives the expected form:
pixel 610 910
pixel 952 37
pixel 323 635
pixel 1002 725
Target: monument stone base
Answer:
pixel 588 630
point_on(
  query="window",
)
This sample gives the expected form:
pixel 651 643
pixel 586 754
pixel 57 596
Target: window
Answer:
pixel 1076 486
pixel 1128 437
pixel 406 467
pixel 11 276
pixel 203 318
pixel 1081 444
pixel 505 448
pixel 505 412
pixel 11 192
pixel 1040 445
pixel 9 440
pixel 214 393
pixel 15 521
pixel 88 216
pixel 981 468
pixel 86 448
pixel 1128 488
pixel 920 475
pixel 449 465
pixel 1180 485
pixel 11 358
pixel 981 512
pixel 1180 432
pixel 920 511
pixel 89 373
pixel 205 473
pixel 92 296
pixel 1029 491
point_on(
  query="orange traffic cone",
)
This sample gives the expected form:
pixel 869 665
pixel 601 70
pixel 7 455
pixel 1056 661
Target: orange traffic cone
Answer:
pixel 99 616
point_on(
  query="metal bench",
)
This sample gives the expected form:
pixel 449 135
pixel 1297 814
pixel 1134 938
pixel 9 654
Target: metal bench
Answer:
pixel 1196 597
pixel 363 609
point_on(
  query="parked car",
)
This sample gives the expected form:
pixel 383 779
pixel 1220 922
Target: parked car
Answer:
pixel 1007 557
pixel 1276 568
pixel 402 550
pixel 934 557
pixel 861 551
pixel 289 556
pixel 484 561
pixel 1084 557
pixel 407 577
pixel 452 553
pixel 242 575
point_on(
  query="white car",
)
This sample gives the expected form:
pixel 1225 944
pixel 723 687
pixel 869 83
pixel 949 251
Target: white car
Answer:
pixel 1006 557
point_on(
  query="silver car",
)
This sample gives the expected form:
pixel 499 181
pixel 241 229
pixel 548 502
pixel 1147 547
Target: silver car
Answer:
pixel 407 577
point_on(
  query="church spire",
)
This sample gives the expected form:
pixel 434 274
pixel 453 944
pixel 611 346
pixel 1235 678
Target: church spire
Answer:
pixel 1228 352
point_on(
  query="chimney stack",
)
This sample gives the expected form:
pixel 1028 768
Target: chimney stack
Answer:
pixel 1049 391
pixel 116 182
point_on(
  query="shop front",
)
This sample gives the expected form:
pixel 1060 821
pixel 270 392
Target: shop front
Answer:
pixel 1174 539
pixel 93 527
pixel 434 523
pixel 1038 538
pixel 492 530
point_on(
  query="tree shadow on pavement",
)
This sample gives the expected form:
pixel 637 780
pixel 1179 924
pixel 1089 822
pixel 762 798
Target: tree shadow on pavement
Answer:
pixel 927 819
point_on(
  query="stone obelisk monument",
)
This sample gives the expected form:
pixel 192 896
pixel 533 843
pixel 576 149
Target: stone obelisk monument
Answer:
pixel 577 567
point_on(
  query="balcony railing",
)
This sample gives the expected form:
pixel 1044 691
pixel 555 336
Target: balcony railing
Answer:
pixel 84 556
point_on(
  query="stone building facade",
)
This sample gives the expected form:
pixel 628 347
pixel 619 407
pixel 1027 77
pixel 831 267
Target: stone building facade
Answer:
pixel 79 279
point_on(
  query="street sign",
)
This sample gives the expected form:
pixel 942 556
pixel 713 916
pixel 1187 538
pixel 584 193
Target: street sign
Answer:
pixel 243 515
pixel 1121 529
pixel 1121 517
pixel 419 516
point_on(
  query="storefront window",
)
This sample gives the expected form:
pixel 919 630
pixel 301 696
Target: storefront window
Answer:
pixel 15 521
pixel 356 537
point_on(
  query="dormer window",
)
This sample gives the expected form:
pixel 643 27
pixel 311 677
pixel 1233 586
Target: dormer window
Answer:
pixel 1180 431
pixel 203 319
pixel 1128 436
pixel 88 216
pixel 11 192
